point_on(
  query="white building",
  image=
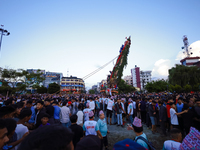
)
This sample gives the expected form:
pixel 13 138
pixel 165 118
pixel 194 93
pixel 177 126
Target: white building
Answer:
pixel 145 77
pixel 140 78
pixel 129 80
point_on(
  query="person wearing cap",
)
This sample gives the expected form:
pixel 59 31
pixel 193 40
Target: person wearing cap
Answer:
pixel 173 114
pixel 103 129
pixel 65 114
pixel 91 127
pixel 86 112
pixel 138 129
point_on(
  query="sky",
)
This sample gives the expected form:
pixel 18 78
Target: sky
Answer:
pixel 80 36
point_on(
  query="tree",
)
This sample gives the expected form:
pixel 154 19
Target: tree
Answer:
pixel 187 88
pixel 91 91
pixel 157 86
pixel 183 75
pixel 41 90
pixel 123 87
pixel 53 88
pixel 177 88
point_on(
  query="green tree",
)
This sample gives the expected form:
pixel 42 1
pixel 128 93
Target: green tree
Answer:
pixel 183 75
pixel 177 88
pixel 41 90
pixel 53 88
pixel 123 87
pixel 91 91
pixel 187 88
pixel 157 86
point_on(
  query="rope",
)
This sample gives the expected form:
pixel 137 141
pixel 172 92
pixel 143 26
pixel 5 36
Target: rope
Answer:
pixel 97 70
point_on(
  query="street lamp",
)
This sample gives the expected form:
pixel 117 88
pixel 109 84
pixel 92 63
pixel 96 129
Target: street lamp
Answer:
pixel 3 32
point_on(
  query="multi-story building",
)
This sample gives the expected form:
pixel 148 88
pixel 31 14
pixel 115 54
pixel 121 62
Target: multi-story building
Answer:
pixel 94 87
pixel 140 78
pixel 72 84
pixel 129 80
pixel 52 77
pixel 145 77
pixel 191 61
pixel 135 73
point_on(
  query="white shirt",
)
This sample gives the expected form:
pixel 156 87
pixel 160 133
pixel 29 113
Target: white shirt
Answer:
pixel 169 145
pixel 106 101
pixel 92 105
pixel 110 104
pixel 86 114
pixel 64 114
pixel 20 130
pixel 130 107
pixel 80 117
pixel 174 118
pixel 134 105
pixel 90 127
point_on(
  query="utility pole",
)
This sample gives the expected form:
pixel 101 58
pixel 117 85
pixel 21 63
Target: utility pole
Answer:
pixel 3 32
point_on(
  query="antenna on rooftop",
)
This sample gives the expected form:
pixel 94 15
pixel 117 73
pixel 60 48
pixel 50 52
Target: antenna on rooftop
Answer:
pixel 67 72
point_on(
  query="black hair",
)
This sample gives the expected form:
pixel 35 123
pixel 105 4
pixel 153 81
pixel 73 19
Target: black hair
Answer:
pixel 64 103
pixel 6 110
pixel 55 137
pixel 41 102
pixel 55 102
pixel 20 104
pixel 25 112
pixel 73 118
pixel 91 117
pixel 138 129
pixel 11 124
pixel 175 133
pixel 2 124
pixel 29 102
pixel 8 102
pixel 45 115
pixel 79 106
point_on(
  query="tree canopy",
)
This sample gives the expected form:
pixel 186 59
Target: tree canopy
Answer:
pixel 123 87
pixel 53 88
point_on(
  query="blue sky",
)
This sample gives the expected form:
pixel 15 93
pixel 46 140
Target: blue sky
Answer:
pixel 81 36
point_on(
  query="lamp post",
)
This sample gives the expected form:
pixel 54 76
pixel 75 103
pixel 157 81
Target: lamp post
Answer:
pixel 3 32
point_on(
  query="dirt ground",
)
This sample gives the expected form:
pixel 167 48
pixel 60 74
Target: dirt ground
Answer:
pixel 118 133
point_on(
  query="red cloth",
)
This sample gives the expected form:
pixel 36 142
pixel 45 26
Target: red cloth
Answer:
pixel 168 110
pixel 176 101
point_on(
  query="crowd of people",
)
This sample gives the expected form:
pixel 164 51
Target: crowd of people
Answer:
pixel 80 122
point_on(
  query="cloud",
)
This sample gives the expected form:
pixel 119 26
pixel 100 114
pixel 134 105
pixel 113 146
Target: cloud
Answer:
pixel 161 68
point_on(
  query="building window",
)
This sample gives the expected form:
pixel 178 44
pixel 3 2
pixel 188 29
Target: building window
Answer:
pixel 76 80
pixel 68 80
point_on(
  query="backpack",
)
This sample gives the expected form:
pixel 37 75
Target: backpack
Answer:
pixel 150 145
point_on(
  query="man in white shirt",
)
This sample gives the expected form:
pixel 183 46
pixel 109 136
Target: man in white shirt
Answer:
pixel 130 111
pixel 21 129
pixel 110 105
pixel 173 115
pixel 64 115
pixel 91 127
pixel 92 104
pixel 80 116
pixel 86 112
